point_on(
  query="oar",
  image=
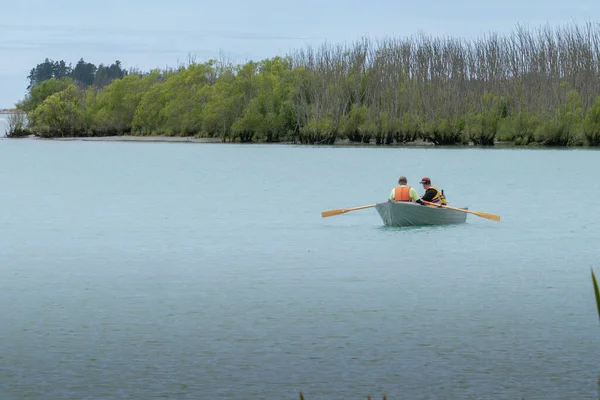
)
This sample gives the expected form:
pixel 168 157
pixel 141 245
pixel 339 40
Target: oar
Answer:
pixel 493 217
pixel 339 211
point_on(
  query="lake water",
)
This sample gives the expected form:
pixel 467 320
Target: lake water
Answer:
pixel 186 271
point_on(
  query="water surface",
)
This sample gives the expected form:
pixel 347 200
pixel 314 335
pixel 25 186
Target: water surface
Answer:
pixel 169 270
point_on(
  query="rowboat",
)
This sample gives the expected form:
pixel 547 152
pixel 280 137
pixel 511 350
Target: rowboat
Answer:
pixel 402 213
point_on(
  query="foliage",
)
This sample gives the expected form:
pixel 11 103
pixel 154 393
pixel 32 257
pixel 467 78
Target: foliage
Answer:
pixel 353 124
pixel 39 93
pixel 61 114
pixel 84 73
pixel 17 125
pixel 407 129
pixel 322 131
pixel 524 127
pixel 394 91
pixel 596 292
pixel 591 125
pixel 483 126
pixel 48 70
pixel 115 106
pixel 443 131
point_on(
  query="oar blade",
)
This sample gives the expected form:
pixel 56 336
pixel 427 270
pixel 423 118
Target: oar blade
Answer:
pixel 331 213
pixel 339 211
pixel 493 217
pixel 481 214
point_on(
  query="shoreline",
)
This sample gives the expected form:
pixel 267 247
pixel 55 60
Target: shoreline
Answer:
pixel 131 138
pixel 190 139
pixel 340 143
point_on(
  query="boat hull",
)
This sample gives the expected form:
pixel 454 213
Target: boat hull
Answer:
pixel 412 214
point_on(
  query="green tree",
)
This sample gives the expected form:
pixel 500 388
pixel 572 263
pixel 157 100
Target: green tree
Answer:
pixel 564 127
pixel 116 105
pixel 592 124
pixel 84 72
pixel 41 92
pixel 106 74
pixel 47 70
pixel 184 98
pixel 61 114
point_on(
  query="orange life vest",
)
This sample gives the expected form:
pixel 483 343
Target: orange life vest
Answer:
pixel 402 193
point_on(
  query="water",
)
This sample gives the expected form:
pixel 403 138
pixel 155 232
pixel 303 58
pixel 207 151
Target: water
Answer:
pixel 185 271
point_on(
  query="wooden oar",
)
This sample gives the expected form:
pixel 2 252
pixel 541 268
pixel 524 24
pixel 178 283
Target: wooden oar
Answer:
pixel 339 211
pixel 493 217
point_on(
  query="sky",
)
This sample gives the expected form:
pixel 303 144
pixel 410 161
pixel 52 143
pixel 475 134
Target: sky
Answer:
pixel 158 34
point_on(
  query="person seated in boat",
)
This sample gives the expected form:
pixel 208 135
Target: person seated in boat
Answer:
pixel 432 194
pixel 403 192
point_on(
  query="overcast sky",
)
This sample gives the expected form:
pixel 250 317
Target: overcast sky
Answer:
pixel 148 34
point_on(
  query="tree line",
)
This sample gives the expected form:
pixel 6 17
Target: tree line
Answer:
pixel 83 73
pixel 536 86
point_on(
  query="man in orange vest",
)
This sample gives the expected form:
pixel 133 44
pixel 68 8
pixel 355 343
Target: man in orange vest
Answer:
pixel 403 192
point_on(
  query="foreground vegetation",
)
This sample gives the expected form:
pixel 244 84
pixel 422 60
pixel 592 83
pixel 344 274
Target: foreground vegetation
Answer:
pixel 532 87
pixel 596 292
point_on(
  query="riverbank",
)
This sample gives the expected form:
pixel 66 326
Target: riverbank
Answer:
pixel 191 139
pixel 131 138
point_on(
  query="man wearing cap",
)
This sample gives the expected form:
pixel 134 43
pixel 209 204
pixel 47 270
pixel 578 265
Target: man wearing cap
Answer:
pixel 403 192
pixel 432 194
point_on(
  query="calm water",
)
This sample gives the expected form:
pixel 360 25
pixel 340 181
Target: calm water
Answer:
pixel 186 271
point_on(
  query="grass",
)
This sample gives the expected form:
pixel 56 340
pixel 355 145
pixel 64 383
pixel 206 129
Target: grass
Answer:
pixel 596 292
